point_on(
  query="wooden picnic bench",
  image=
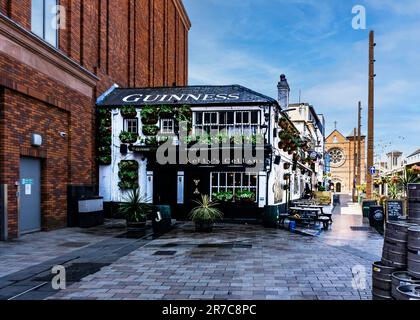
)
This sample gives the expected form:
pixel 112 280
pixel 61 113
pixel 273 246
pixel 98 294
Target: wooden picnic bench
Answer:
pixel 308 215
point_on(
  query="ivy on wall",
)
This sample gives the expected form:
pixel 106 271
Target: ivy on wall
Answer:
pixel 104 137
pixel 128 174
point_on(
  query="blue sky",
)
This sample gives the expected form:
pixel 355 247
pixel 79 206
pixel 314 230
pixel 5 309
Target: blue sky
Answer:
pixel 251 42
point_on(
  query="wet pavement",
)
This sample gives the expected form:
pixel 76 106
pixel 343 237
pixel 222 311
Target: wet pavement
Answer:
pixel 233 262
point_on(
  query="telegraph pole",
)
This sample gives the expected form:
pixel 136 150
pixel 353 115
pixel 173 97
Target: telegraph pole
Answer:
pixel 354 164
pixel 371 114
pixel 359 147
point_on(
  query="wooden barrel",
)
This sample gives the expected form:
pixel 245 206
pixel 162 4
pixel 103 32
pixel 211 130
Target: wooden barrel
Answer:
pixel 401 278
pixel 410 292
pixel 382 281
pixel 394 252
pixel 413 258
pixel 414 203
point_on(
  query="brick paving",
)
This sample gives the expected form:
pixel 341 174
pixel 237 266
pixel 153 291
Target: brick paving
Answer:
pixel 232 262
pixel 239 262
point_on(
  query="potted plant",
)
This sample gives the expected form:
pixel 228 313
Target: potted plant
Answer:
pixel 128 111
pixel 283 123
pixel 128 185
pixel 205 214
pixel 135 209
pixel 224 196
pixel 286 166
pixel 245 196
pixel 128 165
pixel 151 141
pixel 166 111
pixel 150 130
pixel 149 115
pixel 128 137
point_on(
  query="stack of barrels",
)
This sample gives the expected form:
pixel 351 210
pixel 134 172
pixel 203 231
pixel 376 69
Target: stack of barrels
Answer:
pixel 397 275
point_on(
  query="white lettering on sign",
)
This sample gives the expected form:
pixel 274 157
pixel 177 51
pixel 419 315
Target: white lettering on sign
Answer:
pixel 133 98
pixel 28 189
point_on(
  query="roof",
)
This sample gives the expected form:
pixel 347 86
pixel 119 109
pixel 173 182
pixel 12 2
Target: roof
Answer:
pixel 415 153
pixel 394 152
pixel 191 95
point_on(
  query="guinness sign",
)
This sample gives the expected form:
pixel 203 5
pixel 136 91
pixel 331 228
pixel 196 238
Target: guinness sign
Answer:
pixel 180 98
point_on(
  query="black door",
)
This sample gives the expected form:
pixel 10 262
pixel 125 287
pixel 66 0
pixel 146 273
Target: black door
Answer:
pixel 165 187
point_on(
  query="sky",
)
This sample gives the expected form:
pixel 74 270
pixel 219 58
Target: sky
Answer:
pixel 252 42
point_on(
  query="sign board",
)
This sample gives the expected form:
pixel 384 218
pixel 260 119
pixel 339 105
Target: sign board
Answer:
pixel 394 209
pixel 327 163
pixel 372 170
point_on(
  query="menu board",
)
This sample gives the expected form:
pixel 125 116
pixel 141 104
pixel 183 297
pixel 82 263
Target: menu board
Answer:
pixel 394 209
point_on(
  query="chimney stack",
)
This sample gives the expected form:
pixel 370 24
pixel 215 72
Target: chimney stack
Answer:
pixel 284 92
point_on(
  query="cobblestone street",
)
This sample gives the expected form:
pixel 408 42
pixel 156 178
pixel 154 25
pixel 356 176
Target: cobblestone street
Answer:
pixel 232 262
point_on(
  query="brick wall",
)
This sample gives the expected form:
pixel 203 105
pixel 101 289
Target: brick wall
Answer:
pixel 135 43
pixel 38 104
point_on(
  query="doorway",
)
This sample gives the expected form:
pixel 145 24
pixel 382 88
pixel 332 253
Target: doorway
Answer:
pixel 338 187
pixel 30 195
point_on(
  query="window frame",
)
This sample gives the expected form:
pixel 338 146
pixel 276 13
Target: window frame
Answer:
pixel 162 126
pixel 244 176
pixel 127 125
pixel 44 23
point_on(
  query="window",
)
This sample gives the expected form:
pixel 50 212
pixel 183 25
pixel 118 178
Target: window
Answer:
pixel 167 126
pixel 337 157
pixel 44 20
pixel 131 125
pixel 233 182
pixel 233 122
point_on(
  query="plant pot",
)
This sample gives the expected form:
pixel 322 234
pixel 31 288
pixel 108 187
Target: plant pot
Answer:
pixel 136 226
pixel 150 130
pixel 203 226
pixel 150 120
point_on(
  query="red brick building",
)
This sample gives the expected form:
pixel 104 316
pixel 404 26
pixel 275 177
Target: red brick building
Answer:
pixel 49 81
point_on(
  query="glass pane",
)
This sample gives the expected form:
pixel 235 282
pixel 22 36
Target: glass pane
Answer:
pixel 223 179
pixel 199 118
pixel 214 118
pixel 238 179
pixel 37 19
pixel 230 119
pixel 230 179
pixel 215 180
pixel 238 117
pixel 253 181
pixel 50 24
pixel 254 117
pixel 222 117
pixel 245 117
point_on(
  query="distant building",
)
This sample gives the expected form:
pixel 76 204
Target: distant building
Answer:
pixel 341 150
pixel 413 159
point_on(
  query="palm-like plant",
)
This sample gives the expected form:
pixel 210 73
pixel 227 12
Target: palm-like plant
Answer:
pixel 135 207
pixel 205 211
pixel 408 177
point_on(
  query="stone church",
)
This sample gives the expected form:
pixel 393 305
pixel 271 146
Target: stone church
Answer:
pixel 341 150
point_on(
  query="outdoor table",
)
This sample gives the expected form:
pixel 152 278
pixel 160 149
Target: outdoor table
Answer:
pixel 307 214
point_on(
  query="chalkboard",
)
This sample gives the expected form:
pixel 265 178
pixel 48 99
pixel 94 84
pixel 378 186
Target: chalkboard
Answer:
pixel 394 210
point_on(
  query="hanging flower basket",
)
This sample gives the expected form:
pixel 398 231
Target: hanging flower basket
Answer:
pixel 166 112
pixel 128 137
pixel 286 166
pixel 150 130
pixel 128 111
pixel 283 123
pixel 149 115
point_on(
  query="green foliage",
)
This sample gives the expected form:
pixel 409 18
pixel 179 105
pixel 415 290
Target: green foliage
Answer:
pixel 150 130
pixel 128 137
pixel 128 174
pixel 128 111
pixel 245 195
pixel 149 115
pixel 104 138
pixel 224 196
pixel 166 111
pixel 205 211
pixel 135 207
